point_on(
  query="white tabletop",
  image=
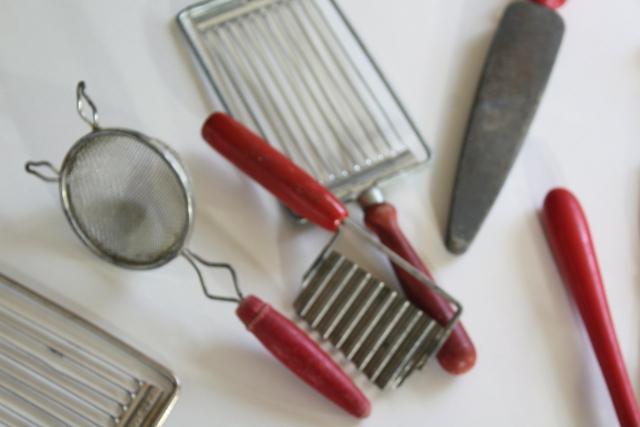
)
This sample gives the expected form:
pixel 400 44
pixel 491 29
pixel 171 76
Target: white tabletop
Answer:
pixel 535 366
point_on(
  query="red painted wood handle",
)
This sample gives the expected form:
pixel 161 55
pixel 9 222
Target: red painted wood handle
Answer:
pixel 568 234
pixel 302 355
pixel 294 187
pixel 458 354
pixel 551 4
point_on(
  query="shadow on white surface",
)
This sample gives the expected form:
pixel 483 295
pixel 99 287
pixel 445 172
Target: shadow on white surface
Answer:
pixel 228 209
pixel 563 346
pixel 49 236
pixel 264 386
pixel 165 56
pixel 28 96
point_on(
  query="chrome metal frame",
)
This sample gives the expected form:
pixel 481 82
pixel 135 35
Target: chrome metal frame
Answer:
pixel 194 22
pixel 434 343
pixel 171 159
pixel 155 415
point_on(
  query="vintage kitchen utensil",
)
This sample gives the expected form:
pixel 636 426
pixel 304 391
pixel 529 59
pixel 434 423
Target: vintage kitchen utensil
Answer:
pixel 128 197
pixel 295 72
pixel 57 369
pixel 309 199
pixel 569 237
pixel 515 74
pixel 383 334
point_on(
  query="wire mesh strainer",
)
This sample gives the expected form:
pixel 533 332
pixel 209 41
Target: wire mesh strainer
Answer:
pixel 128 197
pixel 125 194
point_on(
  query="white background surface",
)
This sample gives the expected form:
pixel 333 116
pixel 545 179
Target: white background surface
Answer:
pixel 535 365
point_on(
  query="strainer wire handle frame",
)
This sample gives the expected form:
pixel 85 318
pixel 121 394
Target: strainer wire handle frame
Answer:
pixel 193 259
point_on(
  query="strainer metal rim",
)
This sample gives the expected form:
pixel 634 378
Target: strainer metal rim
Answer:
pixel 171 159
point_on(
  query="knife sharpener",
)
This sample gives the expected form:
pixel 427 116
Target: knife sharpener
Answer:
pixel 515 75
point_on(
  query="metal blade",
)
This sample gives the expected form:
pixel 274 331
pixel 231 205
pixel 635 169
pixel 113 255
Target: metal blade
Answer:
pixel 514 78
pixel 372 325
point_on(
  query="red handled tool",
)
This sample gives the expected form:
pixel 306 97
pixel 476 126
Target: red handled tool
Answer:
pixel 301 193
pixel 458 354
pixel 307 198
pixel 302 355
pixel 311 89
pixel 570 240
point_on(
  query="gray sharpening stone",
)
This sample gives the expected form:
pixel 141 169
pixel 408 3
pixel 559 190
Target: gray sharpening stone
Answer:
pixel 515 74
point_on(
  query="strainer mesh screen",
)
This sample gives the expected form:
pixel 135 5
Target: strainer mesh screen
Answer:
pixel 126 199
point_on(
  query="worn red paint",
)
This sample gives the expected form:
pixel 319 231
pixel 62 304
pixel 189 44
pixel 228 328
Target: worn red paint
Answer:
pixel 291 346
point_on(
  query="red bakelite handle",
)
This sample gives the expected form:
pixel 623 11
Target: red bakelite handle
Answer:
pixel 295 188
pixel 551 4
pixel 458 353
pixel 302 355
pixel 568 234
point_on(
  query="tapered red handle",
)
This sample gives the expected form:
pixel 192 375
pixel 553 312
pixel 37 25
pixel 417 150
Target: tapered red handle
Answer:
pixel 568 234
pixel 294 187
pixel 458 353
pixel 302 355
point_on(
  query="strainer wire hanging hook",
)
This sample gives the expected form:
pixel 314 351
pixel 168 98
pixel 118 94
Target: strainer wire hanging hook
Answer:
pixel 81 98
pixel 53 174
pixel 89 117
pixel 193 259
